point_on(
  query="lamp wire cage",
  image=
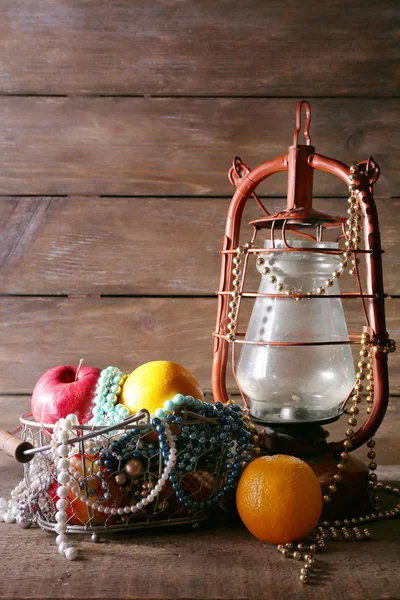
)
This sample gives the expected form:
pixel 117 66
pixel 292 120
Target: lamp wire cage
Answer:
pixel 298 218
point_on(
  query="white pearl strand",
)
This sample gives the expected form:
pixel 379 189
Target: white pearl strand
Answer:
pixel 113 510
pixel 8 509
pixel 37 478
pixel 157 488
pixel 61 451
pixel 39 473
pixel 62 433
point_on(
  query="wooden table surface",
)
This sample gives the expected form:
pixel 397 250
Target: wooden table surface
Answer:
pixel 220 559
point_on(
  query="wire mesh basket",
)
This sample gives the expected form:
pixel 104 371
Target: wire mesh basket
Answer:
pixel 137 474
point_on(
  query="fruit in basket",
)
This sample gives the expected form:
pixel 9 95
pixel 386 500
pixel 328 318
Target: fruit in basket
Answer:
pixel 65 390
pixel 153 383
pixel 77 510
pixel 279 499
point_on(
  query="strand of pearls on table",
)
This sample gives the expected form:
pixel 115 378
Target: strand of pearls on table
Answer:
pixel 29 491
pixel 61 451
pixel 9 508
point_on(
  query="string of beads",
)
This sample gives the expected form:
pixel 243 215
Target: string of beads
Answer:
pixel 61 450
pixel 234 438
pixel 107 410
pixel 355 527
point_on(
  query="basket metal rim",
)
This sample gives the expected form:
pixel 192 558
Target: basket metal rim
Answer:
pixel 27 419
pixel 89 529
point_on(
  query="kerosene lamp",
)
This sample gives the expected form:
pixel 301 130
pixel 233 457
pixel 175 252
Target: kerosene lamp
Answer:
pixel 294 365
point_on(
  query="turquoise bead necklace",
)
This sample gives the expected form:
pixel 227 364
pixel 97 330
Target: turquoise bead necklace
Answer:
pixel 107 410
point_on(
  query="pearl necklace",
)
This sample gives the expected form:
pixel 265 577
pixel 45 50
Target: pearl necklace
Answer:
pixel 61 451
pixel 28 492
pixel 168 448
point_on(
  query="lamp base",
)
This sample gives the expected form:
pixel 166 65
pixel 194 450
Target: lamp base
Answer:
pixel 308 442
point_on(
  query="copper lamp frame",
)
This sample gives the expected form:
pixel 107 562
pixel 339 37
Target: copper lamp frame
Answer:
pixel 300 163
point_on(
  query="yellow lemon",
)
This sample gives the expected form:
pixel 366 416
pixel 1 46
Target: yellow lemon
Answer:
pixel 153 383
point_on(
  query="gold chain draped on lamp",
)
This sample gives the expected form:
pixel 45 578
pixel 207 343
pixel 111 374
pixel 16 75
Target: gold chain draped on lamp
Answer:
pixel 294 364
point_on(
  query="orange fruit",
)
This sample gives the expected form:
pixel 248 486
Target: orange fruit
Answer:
pixel 153 383
pixel 279 499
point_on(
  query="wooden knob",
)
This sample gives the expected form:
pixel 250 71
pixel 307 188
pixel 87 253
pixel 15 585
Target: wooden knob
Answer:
pixel 15 447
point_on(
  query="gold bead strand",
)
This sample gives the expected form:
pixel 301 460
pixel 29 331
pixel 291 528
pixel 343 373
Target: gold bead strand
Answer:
pixel 302 552
pixel 352 241
pixel 353 412
pixel 371 444
pixel 267 271
pixel 280 287
pixel 353 221
pixel 356 527
pixel 233 304
pixel 376 486
pixel 370 380
pixel 373 478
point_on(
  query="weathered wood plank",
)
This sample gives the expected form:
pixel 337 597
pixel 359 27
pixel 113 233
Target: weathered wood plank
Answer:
pixel 199 48
pixel 11 408
pixel 137 246
pixel 38 333
pixel 180 146
pixel 221 560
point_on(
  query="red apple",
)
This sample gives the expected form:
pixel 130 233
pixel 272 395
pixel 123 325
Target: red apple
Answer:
pixel 65 390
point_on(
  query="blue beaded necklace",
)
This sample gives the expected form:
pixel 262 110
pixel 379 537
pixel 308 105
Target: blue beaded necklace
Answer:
pixel 217 439
pixel 223 438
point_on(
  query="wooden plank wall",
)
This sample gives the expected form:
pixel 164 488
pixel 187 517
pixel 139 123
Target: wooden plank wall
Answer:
pixel 118 124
